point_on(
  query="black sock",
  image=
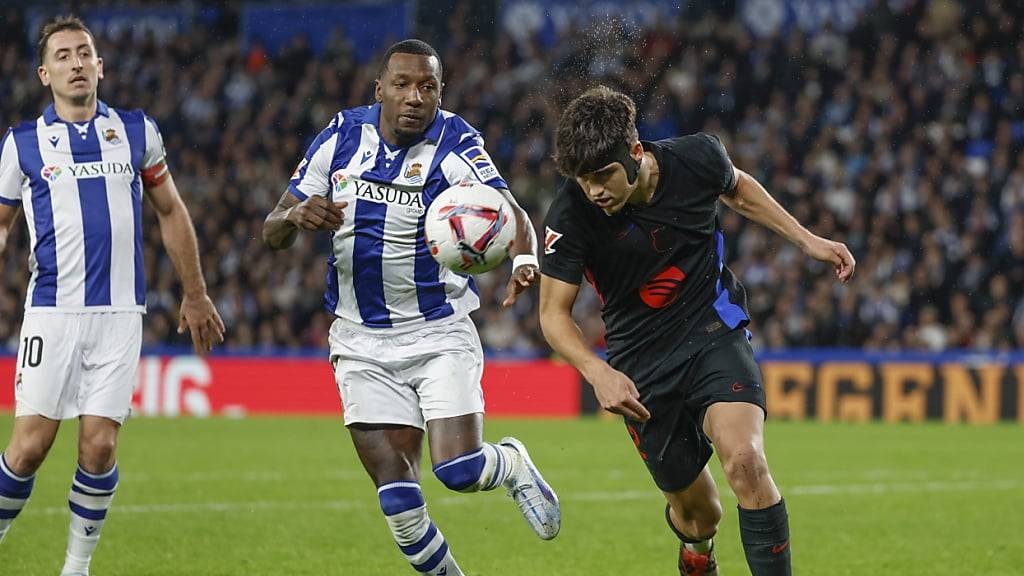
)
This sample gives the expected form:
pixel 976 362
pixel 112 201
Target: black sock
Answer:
pixel 765 535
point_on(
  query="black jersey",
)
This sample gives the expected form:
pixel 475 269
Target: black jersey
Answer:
pixel 658 267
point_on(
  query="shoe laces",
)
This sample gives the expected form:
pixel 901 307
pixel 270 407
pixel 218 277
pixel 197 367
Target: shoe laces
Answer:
pixel 531 499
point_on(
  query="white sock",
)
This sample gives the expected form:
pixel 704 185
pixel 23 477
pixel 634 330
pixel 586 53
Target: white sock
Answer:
pixel 89 501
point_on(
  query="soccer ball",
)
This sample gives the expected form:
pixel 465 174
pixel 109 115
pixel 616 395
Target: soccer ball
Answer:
pixel 470 228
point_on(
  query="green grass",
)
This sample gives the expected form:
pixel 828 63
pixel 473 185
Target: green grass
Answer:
pixel 288 497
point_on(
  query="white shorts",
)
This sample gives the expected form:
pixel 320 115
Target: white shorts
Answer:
pixel 72 364
pixel 410 378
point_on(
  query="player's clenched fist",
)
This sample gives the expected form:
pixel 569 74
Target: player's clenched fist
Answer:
pixel 317 213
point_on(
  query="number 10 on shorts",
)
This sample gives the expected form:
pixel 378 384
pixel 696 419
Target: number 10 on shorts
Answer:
pixel 32 351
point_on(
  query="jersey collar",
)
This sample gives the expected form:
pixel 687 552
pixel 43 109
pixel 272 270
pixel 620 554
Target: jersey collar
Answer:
pixel 50 114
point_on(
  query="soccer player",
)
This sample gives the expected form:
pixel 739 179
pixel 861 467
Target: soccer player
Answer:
pixel 79 172
pixel 639 221
pixel 406 355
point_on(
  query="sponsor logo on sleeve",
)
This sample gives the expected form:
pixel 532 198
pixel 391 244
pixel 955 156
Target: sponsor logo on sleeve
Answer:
pixel 550 237
pixel 480 162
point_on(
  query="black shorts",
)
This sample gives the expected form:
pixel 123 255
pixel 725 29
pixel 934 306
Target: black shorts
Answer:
pixel 672 443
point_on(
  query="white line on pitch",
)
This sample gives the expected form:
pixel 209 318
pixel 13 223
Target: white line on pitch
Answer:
pixel 352 474
pixel 809 490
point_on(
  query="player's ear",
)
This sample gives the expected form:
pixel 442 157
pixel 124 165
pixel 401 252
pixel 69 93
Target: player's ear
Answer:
pixel 377 91
pixel 636 150
pixel 44 76
pixel 99 67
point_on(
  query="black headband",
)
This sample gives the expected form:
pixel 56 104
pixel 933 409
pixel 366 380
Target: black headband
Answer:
pixel 621 155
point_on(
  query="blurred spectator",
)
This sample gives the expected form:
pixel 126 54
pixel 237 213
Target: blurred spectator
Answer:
pixel 902 137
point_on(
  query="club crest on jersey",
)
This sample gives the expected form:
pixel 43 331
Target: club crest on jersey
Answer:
pixel 340 181
pixel 413 173
pixel 110 135
pixel 480 162
pixel 50 173
pixel 550 237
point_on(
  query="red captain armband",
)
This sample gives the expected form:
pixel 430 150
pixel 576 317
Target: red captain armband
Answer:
pixel 155 175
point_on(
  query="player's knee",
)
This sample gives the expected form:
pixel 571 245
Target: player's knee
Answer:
pixel 25 455
pixel 746 468
pixel 96 453
pixel 463 473
pixel 404 510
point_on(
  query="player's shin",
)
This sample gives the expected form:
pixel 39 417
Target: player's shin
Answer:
pixel 765 535
pixel 14 493
pixel 89 500
pixel 417 537
pixel 483 469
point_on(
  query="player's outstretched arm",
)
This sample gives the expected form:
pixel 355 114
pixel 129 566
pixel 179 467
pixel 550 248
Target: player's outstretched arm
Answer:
pixel 291 215
pixel 614 390
pixel 198 314
pixel 8 214
pixel 524 273
pixel 751 200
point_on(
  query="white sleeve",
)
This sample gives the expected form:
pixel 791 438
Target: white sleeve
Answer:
pixel 312 175
pixel 469 161
pixel 155 153
pixel 12 179
pixel 154 162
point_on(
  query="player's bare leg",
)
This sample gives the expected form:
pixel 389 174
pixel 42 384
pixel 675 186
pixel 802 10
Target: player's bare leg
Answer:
pixel 465 463
pixel 31 440
pixel 737 430
pixel 92 490
pixel 97 444
pixel 391 456
pixel 693 513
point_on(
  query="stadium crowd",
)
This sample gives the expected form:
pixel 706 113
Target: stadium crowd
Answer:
pixel 903 137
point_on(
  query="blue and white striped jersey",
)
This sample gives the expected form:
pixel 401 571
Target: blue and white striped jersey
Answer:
pixel 380 272
pixel 81 187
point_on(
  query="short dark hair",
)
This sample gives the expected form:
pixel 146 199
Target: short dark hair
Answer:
pixel 410 46
pixel 60 24
pixel 594 126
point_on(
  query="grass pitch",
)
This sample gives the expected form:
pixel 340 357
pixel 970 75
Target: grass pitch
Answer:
pixel 288 497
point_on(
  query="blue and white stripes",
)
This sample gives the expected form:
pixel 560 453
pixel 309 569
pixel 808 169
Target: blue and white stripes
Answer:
pixel 417 537
pixel 80 185
pixel 14 493
pixel 91 495
pixel 381 273
pixel 89 501
pixel 482 469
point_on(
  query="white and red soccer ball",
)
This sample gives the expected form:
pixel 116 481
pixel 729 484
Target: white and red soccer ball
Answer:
pixel 470 228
